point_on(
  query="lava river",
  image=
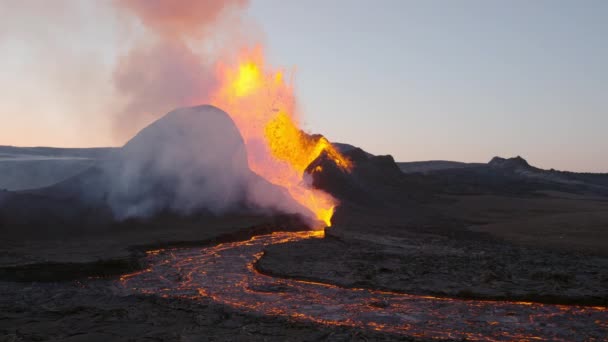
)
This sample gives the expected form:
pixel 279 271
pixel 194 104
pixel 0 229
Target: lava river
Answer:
pixel 226 274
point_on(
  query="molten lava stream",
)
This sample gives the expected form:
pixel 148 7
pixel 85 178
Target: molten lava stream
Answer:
pixel 226 274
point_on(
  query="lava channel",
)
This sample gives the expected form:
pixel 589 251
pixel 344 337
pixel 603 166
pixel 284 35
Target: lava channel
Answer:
pixel 226 274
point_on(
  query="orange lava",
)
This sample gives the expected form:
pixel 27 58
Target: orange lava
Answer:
pixel 262 105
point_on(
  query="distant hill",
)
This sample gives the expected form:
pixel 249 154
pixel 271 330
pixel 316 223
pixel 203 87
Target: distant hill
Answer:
pixel 432 165
pixel 521 167
pixel 56 152
pixel 515 175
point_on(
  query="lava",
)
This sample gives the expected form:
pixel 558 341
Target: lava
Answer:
pixel 226 273
pixel 262 105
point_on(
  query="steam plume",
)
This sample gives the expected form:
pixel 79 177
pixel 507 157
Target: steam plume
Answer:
pixel 191 159
pixel 171 66
pixel 181 18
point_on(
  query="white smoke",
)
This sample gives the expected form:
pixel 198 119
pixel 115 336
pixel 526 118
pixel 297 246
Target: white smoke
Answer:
pixel 192 159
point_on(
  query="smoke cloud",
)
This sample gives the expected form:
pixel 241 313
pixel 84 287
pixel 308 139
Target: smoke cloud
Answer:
pixel 169 67
pixel 151 57
pixel 191 159
pixel 155 79
pixel 181 18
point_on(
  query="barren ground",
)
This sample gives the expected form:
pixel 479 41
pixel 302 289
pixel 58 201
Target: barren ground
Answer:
pixel 77 299
pixel 506 241
pixel 546 249
pixel 71 311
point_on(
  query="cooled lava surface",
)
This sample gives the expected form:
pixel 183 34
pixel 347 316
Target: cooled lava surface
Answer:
pixel 226 273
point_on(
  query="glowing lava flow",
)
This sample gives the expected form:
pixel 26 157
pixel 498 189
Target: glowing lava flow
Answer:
pixel 262 105
pixel 226 274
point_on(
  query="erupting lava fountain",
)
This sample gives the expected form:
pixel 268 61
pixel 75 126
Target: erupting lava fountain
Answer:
pixel 262 104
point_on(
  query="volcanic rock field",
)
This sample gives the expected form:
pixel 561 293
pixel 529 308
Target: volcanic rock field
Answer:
pixel 503 231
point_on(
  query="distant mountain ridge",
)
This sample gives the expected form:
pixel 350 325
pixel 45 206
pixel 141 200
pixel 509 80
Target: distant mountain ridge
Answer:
pixel 500 175
pixel 517 175
pixel 515 162
pixel 432 165
pixel 520 166
pixel 23 168
pixel 87 152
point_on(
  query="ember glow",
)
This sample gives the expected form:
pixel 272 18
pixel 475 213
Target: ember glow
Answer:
pixel 262 104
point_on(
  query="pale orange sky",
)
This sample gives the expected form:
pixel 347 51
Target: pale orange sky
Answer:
pixel 418 80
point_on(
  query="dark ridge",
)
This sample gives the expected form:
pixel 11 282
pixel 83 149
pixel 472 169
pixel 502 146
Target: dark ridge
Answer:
pixel 433 165
pixel 92 152
pixel 373 182
pixel 513 176
pixel 510 163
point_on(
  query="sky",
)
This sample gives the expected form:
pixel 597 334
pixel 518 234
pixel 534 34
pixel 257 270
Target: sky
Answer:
pixel 420 80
